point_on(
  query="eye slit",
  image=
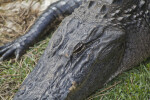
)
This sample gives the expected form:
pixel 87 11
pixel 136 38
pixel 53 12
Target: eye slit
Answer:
pixel 78 48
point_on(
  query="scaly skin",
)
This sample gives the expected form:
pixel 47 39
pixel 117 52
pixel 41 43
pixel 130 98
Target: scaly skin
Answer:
pixel 98 41
pixel 40 27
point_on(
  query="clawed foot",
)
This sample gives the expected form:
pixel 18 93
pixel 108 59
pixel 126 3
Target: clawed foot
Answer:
pixel 10 49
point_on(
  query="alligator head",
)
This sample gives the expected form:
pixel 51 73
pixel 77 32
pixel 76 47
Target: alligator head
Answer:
pixel 97 42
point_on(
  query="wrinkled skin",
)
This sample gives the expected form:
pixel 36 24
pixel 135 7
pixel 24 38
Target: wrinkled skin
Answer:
pixel 93 45
pixel 56 10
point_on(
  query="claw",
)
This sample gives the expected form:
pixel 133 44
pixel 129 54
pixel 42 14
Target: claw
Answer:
pixel 7 54
pixel 4 46
pixel 18 54
pixel 3 51
pixel 12 48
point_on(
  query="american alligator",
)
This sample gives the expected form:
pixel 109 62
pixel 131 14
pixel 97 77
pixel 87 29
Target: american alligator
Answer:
pixel 99 40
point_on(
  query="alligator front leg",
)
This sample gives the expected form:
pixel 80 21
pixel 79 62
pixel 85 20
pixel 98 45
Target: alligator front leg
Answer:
pixel 40 27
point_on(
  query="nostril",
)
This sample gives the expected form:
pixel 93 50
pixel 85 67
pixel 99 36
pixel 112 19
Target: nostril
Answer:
pixel 91 3
pixel 103 9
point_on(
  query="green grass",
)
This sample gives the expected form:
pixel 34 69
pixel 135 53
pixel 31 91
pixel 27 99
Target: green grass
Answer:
pixel 130 85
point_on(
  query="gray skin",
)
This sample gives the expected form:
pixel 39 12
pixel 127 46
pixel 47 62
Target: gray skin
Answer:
pixel 42 26
pixel 101 39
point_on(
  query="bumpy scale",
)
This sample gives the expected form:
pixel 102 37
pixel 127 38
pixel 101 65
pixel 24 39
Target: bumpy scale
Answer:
pixel 98 41
pixel 41 26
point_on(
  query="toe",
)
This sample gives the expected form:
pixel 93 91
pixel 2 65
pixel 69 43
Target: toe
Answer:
pixel 7 54
pixel 18 53
pixel 6 48
pixel 5 45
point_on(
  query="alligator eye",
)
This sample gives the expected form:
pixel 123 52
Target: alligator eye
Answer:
pixel 78 48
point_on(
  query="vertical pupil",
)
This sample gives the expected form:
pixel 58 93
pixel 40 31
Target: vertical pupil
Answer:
pixel 79 48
